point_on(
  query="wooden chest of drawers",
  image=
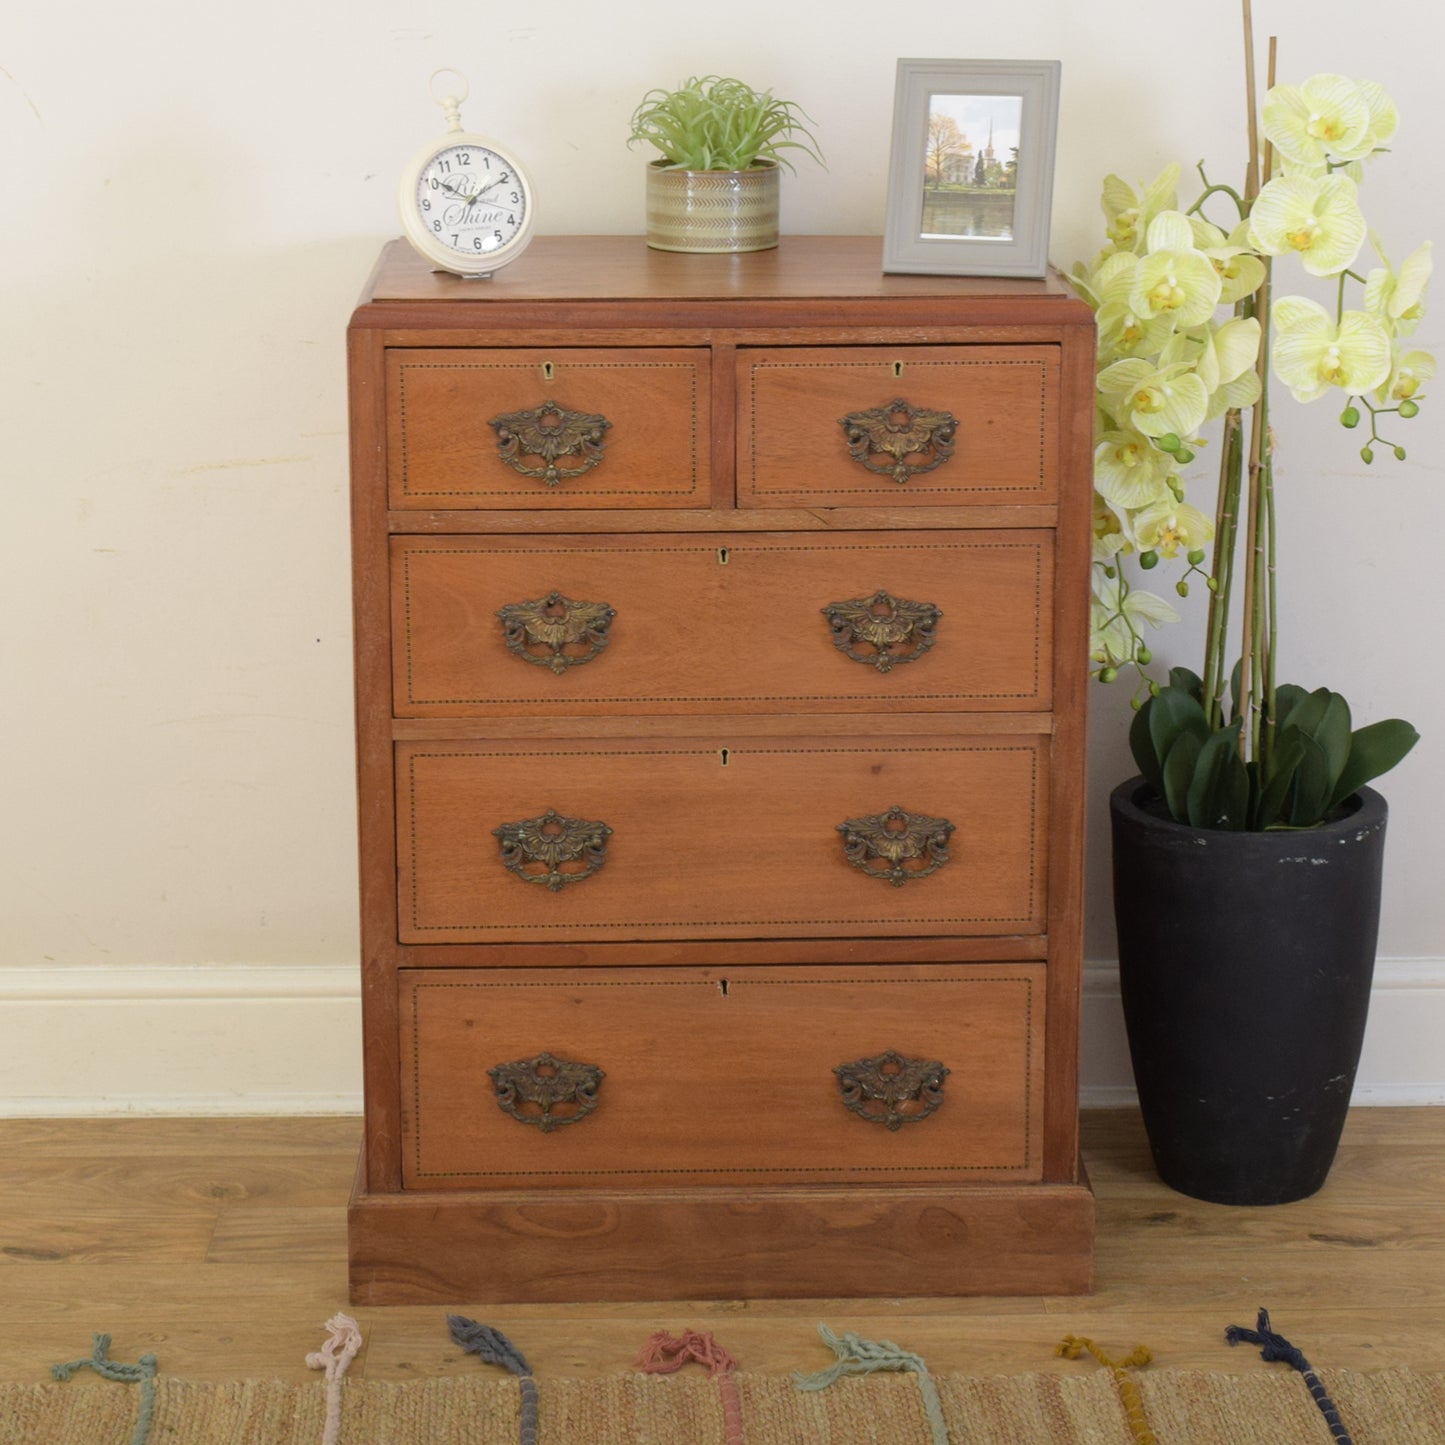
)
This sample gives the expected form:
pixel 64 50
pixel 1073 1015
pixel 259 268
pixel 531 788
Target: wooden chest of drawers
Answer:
pixel 720 638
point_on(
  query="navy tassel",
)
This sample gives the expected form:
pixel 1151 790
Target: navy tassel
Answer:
pixel 494 1348
pixel 1274 1348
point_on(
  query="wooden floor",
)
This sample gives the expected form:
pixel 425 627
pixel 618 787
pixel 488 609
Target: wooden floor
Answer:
pixel 219 1246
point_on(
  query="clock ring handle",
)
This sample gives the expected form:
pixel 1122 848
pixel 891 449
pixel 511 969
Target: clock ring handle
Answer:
pixel 449 100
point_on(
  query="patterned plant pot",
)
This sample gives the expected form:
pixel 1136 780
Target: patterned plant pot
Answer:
pixel 712 211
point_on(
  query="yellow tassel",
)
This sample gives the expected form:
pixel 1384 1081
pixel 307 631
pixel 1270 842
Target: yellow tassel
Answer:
pixel 1073 1346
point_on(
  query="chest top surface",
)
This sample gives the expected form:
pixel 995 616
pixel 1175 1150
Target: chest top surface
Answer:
pixel 600 269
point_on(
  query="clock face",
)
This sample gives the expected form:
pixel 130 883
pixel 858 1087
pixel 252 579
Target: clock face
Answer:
pixel 472 202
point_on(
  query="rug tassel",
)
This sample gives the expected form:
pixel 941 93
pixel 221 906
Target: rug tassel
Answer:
pixel 1275 1347
pixel 858 1356
pixel 143 1372
pixel 1073 1346
pixel 663 1354
pixel 494 1348
pixel 334 1356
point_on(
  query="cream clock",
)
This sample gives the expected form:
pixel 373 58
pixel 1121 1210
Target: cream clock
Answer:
pixel 466 205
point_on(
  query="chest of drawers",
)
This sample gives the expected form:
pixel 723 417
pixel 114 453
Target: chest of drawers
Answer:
pixel 720 646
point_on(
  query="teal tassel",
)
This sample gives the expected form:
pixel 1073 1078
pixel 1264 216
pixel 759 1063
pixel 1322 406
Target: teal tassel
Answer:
pixel 143 1372
pixel 857 1356
pixel 493 1347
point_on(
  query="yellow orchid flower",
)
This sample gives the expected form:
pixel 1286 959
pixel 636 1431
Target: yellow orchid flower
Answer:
pixel 1312 354
pixel 1129 470
pixel 1327 116
pixel 1121 330
pixel 1109 538
pixel 1156 401
pixel 1117 615
pixel 1128 212
pixel 1384 118
pixel 1320 219
pixel 1172 525
pixel 1398 299
pixel 1173 279
pixel 1407 376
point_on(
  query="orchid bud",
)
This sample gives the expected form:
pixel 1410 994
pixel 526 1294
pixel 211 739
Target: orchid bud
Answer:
pixel 1367 455
pixel 1108 674
pixel 1196 556
pixel 1350 416
pixel 1168 442
pixel 1148 560
pixel 1143 657
pixel 1182 587
pixel 1399 454
pixel 1407 409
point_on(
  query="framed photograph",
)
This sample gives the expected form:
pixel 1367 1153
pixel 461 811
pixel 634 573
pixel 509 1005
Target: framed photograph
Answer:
pixel 971 176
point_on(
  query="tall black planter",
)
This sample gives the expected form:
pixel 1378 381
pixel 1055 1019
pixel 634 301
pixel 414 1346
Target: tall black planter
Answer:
pixel 1245 962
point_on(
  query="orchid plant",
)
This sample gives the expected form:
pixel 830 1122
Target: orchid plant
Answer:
pixel 1190 333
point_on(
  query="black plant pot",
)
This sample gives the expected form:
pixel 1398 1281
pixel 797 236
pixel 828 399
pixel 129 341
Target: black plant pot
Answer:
pixel 1245 962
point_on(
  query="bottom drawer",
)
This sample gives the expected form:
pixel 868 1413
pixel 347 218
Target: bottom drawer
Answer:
pixel 526 1078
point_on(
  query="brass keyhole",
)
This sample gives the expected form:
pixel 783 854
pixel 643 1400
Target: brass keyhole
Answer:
pixel 897 370
pixel 549 372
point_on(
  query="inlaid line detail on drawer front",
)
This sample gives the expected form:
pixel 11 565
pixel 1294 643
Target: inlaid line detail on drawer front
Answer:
pixel 575 987
pixel 592 489
pixel 872 484
pixel 955 633
pixel 1024 917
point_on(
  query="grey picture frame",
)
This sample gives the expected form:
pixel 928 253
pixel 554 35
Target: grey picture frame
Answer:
pixel 959 229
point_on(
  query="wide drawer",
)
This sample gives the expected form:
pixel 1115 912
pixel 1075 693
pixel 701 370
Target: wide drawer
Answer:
pixel 897 426
pixel 549 429
pixel 627 1077
pixel 592 625
pixel 721 837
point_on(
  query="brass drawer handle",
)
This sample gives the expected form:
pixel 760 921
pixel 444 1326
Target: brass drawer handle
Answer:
pixel 882 629
pixel 885 438
pixel 880 1089
pixel 540 631
pixel 883 845
pixel 530 1090
pixel 552 840
pixel 550 432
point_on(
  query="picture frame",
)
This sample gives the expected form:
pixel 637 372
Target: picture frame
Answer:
pixel 971 170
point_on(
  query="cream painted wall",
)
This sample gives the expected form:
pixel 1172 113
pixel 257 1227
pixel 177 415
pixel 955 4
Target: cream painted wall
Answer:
pixel 194 197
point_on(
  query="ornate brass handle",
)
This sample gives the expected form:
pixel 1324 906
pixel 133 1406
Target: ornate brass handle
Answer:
pixel 530 1090
pixel 885 844
pixel 886 438
pixel 540 631
pixel 550 433
pixel 882 629
pixel 882 1089
pixel 552 840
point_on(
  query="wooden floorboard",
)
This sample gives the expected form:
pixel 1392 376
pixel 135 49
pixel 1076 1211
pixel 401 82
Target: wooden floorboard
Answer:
pixel 219 1245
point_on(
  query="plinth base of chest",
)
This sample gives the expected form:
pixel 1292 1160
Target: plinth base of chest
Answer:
pixel 720 1243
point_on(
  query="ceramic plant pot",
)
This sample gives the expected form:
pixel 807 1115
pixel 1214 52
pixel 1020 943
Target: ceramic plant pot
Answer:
pixel 1245 963
pixel 712 211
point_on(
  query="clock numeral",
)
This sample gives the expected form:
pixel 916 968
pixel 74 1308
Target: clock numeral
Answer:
pixel 436 226
pixel 504 178
pixel 463 159
pixel 426 205
pixel 516 199
pixel 498 235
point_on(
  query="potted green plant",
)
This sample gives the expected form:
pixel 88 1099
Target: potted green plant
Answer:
pixel 1248 854
pixel 715 188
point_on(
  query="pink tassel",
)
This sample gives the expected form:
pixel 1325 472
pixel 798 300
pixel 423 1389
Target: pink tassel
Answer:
pixel 665 1354
pixel 334 1356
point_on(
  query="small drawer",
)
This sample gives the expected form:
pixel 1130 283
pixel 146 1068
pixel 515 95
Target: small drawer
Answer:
pixel 721 837
pixel 497 626
pixel 527 1079
pixel 548 429
pixel 897 426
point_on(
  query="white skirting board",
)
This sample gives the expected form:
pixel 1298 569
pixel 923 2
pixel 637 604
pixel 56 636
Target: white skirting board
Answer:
pixel 273 1039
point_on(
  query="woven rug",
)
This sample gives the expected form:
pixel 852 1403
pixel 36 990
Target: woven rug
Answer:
pixel 1270 1406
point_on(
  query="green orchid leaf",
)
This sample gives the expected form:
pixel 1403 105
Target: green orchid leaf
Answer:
pixel 1324 716
pixel 1374 750
pixel 1219 792
pixel 1309 797
pixel 1175 712
pixel 1287 697
pixel 1141 744
pixel 1269 811
pixel 1179 765
pixel 1187 681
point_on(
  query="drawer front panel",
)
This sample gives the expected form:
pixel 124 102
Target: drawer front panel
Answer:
pixel 672 1077
pixel 550 429
pixel 721 838
pixel 594 625
pixel 898 427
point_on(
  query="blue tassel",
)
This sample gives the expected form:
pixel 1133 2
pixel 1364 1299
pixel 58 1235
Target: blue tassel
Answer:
pixel 143 1372
pixel 494 1348
pixel 1275 1348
